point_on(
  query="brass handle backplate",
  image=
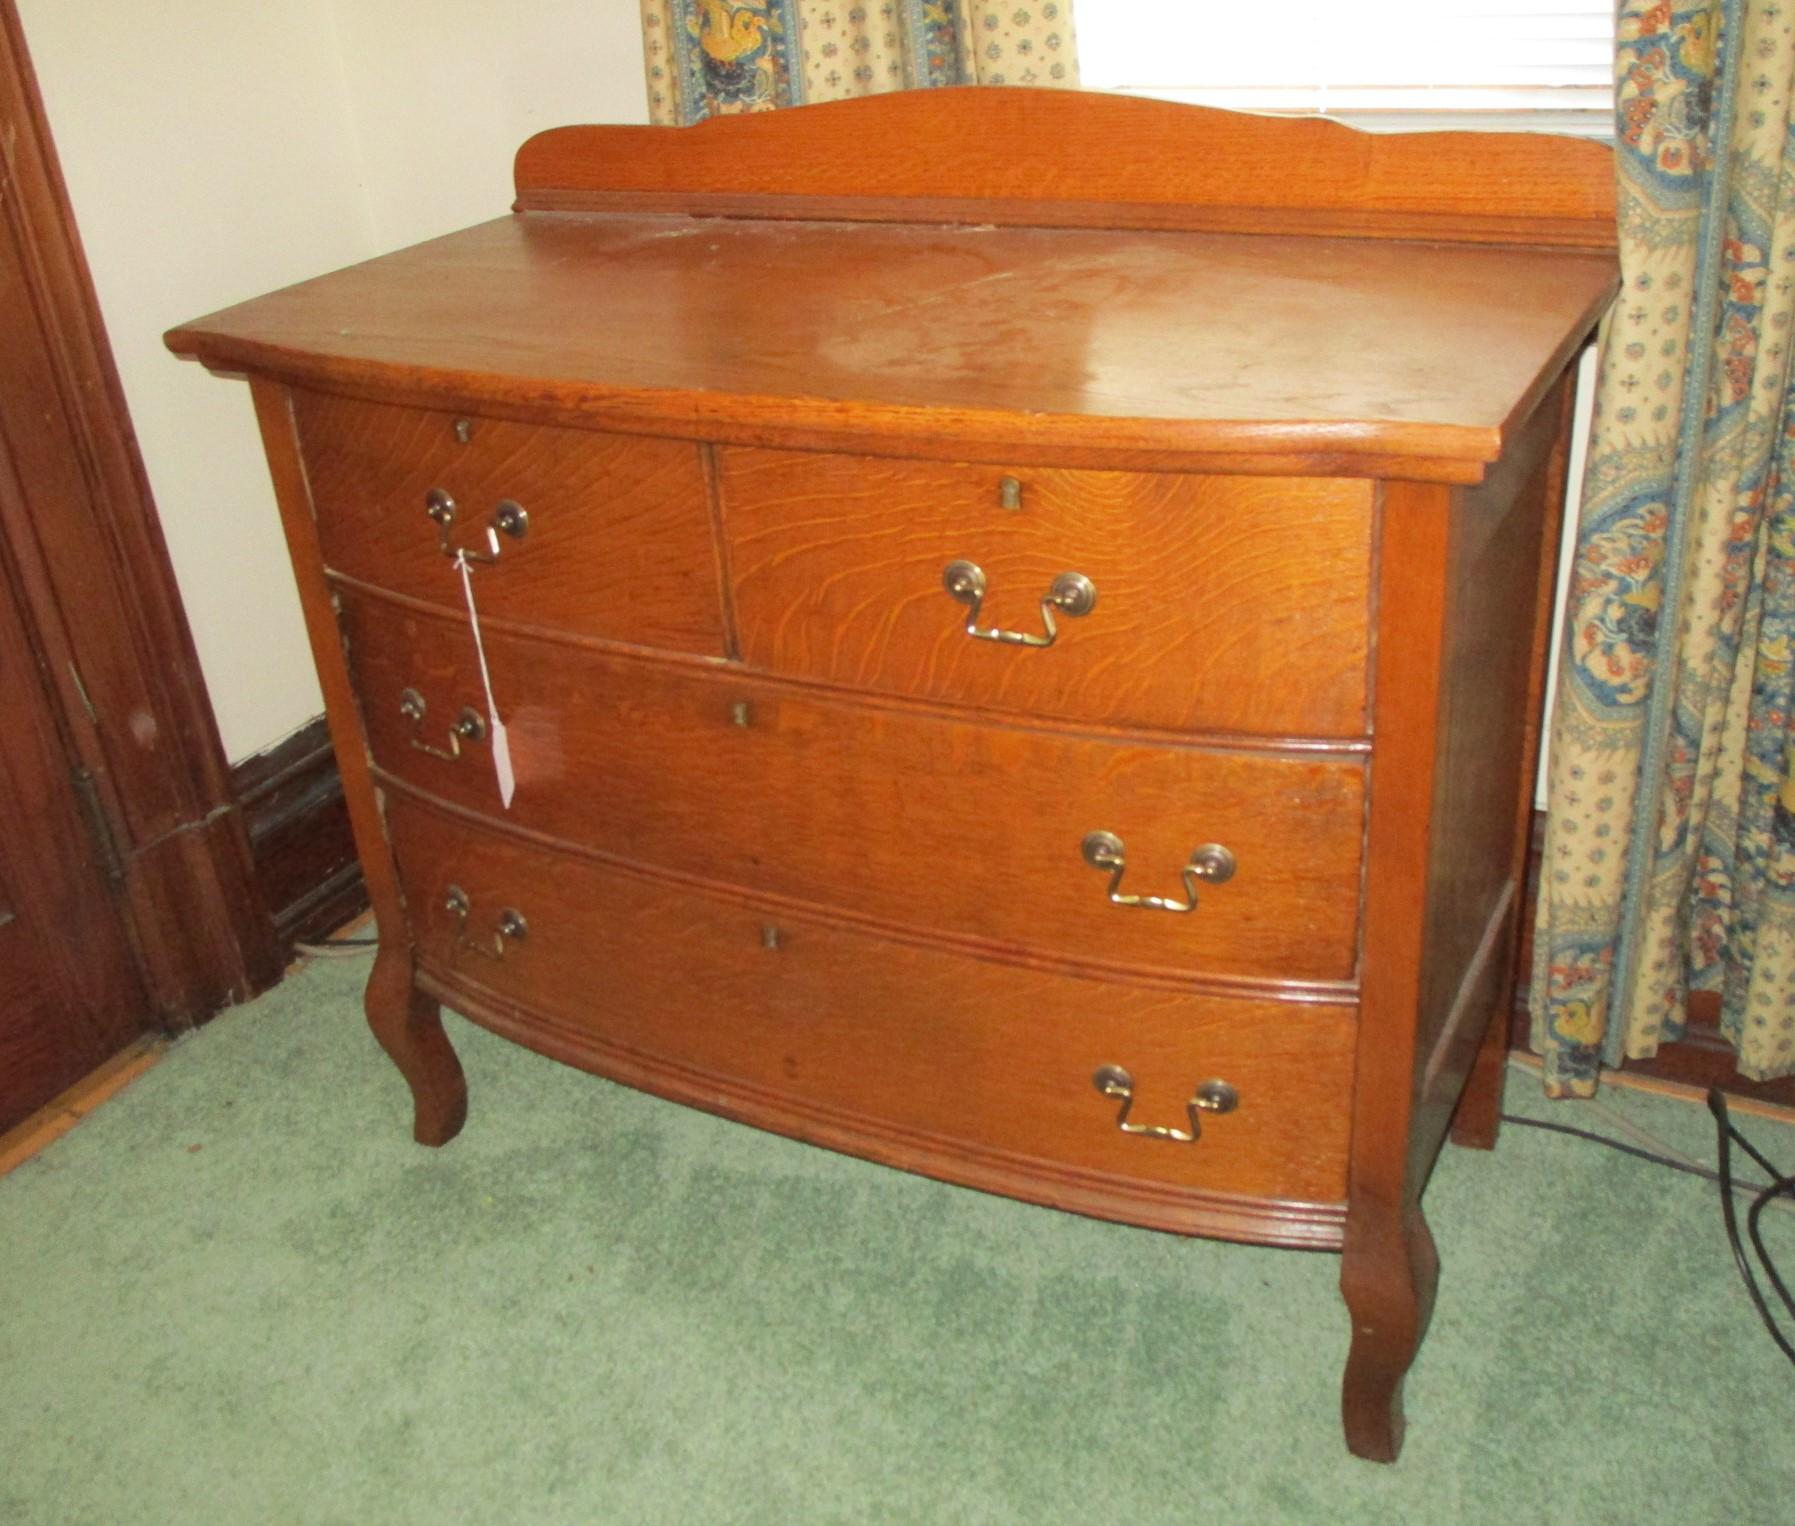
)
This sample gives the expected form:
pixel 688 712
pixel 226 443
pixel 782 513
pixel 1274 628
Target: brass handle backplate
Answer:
pixel 1210 1097
pixel 470 726
pixel 1071 593
pixel 510 517
pixel 1211 862
pixel 509 927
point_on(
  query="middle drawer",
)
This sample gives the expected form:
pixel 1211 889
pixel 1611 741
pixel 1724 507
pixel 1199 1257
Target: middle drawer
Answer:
pixel 886 814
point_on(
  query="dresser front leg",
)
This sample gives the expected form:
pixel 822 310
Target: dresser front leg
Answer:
pixel 1388 1275
pixel 409 1026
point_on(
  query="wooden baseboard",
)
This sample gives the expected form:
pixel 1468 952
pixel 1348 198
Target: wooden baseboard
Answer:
pixel 1694 1096
pixel 1700 1059
pixel 304 855
pixel 61 1113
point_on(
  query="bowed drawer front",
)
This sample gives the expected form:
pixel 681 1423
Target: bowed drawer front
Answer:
pixel 593 534
pixel 1176 601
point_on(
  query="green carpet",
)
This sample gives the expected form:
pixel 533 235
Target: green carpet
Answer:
pixel 239 1293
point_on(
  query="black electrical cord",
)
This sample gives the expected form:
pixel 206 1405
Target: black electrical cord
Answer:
pixel 1780 1186
pixel 333 943
pixel 1760 1193
pixel 1626 1149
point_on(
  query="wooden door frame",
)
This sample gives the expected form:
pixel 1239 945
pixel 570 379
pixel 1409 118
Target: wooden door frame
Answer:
pixel 112 636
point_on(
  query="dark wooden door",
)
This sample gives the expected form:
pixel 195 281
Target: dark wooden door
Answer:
pixel 70 996
pixel 127 893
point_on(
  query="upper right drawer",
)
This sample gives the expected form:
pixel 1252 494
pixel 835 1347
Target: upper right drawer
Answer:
pixel 1165 600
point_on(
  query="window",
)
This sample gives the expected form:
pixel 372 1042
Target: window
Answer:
pixel 1434 62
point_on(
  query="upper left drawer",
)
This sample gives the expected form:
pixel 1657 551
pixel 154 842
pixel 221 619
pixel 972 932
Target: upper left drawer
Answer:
pixel 596 534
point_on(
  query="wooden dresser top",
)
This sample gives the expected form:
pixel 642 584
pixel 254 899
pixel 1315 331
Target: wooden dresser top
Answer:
pixel 986 325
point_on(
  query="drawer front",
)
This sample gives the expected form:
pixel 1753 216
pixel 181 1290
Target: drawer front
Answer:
pixel 884 1035
pixel 1232 604
pixel 889 814
pixel 616 544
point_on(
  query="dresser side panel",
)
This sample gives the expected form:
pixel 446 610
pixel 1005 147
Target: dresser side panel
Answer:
pixel 1483 723
pixel 1504 546
pixel 280 441
pixel 1455 731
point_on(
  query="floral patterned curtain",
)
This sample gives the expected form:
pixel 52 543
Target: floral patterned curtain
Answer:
pixel 1670 849
pixel 713 57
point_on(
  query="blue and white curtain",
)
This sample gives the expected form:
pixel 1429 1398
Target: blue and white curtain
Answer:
pixel 1670 847
pixel 718 57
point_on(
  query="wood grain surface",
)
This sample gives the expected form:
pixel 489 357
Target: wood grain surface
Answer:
pixel 1294 355
pixel 881 1037
pixel 885 815
pixel 618 542
pixel 1223 603
pixel 1076 158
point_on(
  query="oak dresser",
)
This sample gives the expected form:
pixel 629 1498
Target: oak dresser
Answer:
pixel 998 631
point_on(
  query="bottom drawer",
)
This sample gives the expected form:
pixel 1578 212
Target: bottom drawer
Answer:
pixel 967 1069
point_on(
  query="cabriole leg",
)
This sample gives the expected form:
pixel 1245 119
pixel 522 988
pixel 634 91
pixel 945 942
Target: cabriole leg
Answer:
pixel 1388 1275
pixel 409 1026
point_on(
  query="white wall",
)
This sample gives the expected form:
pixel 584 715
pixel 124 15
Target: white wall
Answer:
pixel 216 149
pixel 444 91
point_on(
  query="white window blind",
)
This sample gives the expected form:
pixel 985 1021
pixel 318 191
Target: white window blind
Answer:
pixel 1443 58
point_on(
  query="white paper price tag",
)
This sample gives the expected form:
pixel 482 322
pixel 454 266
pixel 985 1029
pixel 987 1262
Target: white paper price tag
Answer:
pixel 501 744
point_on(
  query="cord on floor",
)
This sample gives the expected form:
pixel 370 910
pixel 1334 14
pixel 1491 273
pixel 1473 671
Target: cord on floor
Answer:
pixel 1778 1192
pixel 1669 1162
pixel 337 948
pixel 1780 1186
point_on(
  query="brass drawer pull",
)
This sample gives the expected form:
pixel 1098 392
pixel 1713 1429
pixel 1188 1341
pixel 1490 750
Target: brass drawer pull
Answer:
pixel 470 726
pixel 1209 1097
pixel 1072 593
pixel 1212 862
pixel 510 517
pixel 510 926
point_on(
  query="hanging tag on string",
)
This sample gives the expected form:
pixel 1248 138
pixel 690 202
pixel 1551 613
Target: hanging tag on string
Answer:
pixel 501 744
